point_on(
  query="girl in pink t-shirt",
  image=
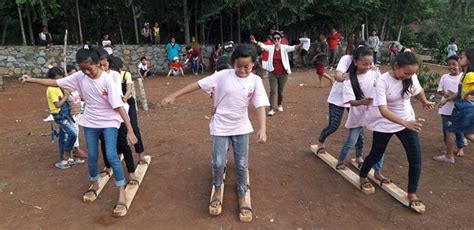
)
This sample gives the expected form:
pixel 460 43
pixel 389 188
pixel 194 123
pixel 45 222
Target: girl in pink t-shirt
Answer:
pixel 359 91
pixel 233 91
pixel 103 115
pixel 397 117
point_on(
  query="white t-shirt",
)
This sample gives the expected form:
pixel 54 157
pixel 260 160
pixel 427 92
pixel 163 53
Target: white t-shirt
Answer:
pixel 232 96
pixel 118 83
pixel 335 96
pixel 141 66
pixel 357 114
pixel 389 92
pixel 452 49
pixel 107 46
pixel 451 83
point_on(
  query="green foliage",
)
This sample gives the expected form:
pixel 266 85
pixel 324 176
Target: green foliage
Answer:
pixel 428 80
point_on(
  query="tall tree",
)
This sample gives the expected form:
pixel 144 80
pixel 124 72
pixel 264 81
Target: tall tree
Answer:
pixel 22 27
pixel 186 22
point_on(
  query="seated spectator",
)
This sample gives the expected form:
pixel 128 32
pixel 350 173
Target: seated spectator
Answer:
pixel 176 68
pixel 107 44
pixel 45 38
pixel 144 68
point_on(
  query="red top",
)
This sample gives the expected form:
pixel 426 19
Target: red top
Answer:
pixel 265 53
pixel 278 63
pixel 333 39
pixel 176 65
pixel 284 41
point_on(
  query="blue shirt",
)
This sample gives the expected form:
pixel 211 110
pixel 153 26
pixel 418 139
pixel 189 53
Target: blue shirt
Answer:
pixel 173 50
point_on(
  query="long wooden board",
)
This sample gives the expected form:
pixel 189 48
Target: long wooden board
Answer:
pixel 103 180
pixel 392 189
pixel 332 162
pixel 131 190
pixel 222 187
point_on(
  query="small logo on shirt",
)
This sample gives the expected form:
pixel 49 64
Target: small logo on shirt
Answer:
pixel 105 92
pixel 250 94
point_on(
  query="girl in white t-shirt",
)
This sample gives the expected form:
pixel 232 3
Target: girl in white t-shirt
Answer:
pixel 397 117
pixel 359 92
pixel 233 91
pixel 103 114
pixel 448 84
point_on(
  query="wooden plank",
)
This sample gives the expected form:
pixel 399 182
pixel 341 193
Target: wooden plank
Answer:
pixel 332 162
pixel 392 189
pixel 103 180
pixel 131 190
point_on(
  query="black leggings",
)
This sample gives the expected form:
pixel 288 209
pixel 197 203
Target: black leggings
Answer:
pixel 122 148
pixel 132 113
pixel 411 144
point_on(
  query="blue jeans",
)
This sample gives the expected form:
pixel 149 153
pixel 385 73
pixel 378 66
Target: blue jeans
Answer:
pixel 357 137
pixel 67 134
pixel 195 64
pixel 461 141
pixel 92 142
pixel 240 145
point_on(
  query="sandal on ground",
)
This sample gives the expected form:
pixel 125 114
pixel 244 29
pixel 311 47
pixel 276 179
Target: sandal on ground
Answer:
pixel 143 162
pixel 86 198
pixel 460 154
pixel 341 166
pixel 321 150
pixel 385 181
pixel 367 188
pixel 443 159
pixel 417 206
pixel 246 214
pixel 121 213
pixel 215 206
pixel 133 182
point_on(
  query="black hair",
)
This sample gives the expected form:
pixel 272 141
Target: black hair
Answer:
pixel 87 55
pixel 405 59
pixel 452 39
pixel 70 67
pixel 244 50
pixel 103 54
pixel 469 53
pixel 115 63
pixel 322 34
pixel 142 58
pixel 54 72
pixel 187 48
pixel 452 57
pixel 360 52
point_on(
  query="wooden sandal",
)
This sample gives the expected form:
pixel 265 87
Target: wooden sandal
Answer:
pixel 122 213
pixel 417 206
pixel 133 182
pixel 245 216
pixel 341 166
pixel 87 199
pixel 385 181
pixel 367 190
pixel 215 206
pixel 321 150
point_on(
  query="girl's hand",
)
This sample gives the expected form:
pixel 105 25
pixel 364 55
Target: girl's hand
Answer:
pixel 131 138
pixel 25 78
pixel 262 136
pixel 366 101
pixel 345 76
pixel 414 125
pixel 428 105
pixel 169 100
pixel 442 102
pixel 252 39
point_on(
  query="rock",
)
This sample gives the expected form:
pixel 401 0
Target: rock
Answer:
pixel 40 60
pixel 17 70
pixel 37 71
pixel 11 59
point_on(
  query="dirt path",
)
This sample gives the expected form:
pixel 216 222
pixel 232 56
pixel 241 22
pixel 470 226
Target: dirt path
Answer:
pixel 291 188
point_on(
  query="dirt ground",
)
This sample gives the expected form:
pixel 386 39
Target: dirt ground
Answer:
pixel 291 188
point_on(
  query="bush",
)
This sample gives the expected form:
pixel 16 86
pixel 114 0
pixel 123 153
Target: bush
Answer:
pixel 428 80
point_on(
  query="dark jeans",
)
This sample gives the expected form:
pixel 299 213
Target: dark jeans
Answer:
pixel 277 82
pixel 461 141
pixel 132 113
pixel 411 144
pixel 335 117
pixel 375 57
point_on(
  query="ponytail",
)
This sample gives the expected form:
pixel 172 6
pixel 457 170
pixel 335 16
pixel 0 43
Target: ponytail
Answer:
pixel 361 51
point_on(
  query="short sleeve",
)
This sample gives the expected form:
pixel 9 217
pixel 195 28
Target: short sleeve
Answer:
pixel 114 95
pixel 441 84
pixel 208 83
pixel 347 92
pixel 344 63
pixel 128 78
pixel 469 78
pixel 259 97
pixel 70 82
pixel 380 92
pixel 53 94
pixel 416 87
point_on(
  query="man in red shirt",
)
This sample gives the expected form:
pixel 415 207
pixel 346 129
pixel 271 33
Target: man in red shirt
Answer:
pixel 334 38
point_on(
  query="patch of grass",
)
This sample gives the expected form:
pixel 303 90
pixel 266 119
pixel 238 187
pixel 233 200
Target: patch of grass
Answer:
pixel 3 185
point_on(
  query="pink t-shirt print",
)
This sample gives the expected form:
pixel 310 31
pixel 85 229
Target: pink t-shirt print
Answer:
pixel 232 96
pixel 101 97
pixel 448 83
pixel 389 92
pixel 358 114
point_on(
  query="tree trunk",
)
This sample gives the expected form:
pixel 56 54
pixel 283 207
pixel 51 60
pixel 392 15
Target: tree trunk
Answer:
pixel 222 30
pixel 186 22
pixel 79 22
pixel 231 28
pixel 30 27
pixel 400 27
pixel 5 27
pixel 20 16
pixel 195 19
pixel 44 18
pixel 209 29
pixel 121 32
pixel 238 24
pixel 382 31
pixel 137 37
pixel 203 28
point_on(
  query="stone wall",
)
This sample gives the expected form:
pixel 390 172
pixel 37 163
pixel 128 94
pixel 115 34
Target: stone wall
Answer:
pixel 33 60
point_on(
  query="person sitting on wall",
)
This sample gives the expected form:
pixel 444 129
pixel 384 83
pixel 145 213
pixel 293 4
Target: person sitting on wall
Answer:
pixel 45 38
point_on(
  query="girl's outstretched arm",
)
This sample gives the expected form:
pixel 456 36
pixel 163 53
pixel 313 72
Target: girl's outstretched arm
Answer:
pixel 40 81
pixel 169 100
